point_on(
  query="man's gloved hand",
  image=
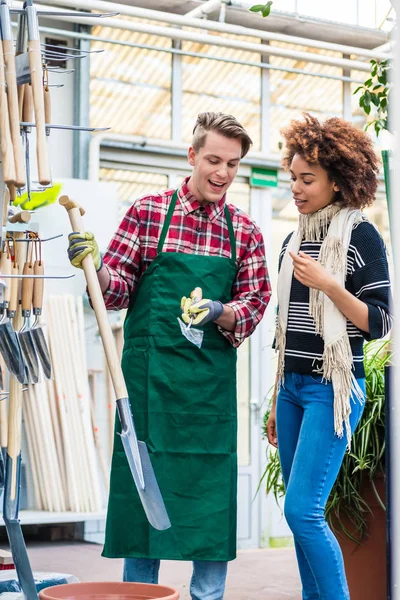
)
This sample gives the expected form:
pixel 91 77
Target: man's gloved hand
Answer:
pixel 80 245
pixel 203 312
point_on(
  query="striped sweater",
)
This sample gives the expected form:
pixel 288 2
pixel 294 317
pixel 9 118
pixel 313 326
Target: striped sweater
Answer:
pixel 367 279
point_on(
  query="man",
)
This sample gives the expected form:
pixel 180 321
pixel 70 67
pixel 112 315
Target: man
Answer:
pixel 183 397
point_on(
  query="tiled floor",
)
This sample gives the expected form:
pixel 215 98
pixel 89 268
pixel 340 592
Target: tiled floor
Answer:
pixel 254 575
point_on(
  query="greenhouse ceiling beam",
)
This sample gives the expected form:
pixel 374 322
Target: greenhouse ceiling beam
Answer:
pixel 204 38
pixel 204 9
pixel 177 51
pixel 185 21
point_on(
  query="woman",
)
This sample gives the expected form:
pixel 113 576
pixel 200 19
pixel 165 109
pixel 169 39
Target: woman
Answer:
pixel 333 292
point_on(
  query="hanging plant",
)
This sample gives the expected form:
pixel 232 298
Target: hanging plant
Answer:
pixel 375 93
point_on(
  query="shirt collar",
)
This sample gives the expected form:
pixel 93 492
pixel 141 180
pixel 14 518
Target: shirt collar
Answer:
pixel 190 203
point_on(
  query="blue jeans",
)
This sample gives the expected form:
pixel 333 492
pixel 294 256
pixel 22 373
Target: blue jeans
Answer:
pixel 311 455
pixel 207 583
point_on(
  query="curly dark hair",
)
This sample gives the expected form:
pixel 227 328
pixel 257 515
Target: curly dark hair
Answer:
pixel 345 152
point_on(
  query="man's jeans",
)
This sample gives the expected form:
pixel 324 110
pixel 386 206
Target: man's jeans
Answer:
pixel 207 583
pixel 311 455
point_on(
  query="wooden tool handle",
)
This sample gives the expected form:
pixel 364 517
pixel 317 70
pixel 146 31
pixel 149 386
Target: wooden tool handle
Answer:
pixel 27 107
pixel 21 94
pixel 23 216
pixel 35 63
pixel 6 204
pixel 75 216
pixel 5 134
pixel 13 109
pixel 14 289
pixel 27 287
pixel 38 286
pixel 47 107
pixel 5 268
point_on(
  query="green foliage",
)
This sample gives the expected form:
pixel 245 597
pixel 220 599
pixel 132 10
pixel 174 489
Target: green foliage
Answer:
pixel 264 9
pixel 365 461
pixel 375 94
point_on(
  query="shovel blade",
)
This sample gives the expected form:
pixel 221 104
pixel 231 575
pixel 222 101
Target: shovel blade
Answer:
pixel 142 470
pixel 29 356
pixel 42 350
pixel 11 351
pixel 14 531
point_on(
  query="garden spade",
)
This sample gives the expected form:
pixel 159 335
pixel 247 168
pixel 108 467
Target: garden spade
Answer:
pixel 136 451
pixel 37 334
pixel 25 335
pixel 9 345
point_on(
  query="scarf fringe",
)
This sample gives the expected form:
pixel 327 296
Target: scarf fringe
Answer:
pixel 337 368
pixel 280 345
pixel 314 227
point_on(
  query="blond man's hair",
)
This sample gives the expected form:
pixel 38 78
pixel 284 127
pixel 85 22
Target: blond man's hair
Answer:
pixel 225 125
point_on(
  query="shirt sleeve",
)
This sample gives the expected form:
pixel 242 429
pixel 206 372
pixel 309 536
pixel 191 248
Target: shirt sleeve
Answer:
pixel 251 290
pixel 370 281
pixel 123 260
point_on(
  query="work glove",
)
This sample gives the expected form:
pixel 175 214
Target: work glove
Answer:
pixel 202 312
pixel 80 245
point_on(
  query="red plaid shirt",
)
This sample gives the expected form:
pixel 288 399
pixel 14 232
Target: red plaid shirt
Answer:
pixel 194 229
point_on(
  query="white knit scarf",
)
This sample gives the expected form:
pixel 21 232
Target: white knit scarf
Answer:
pixel 333 226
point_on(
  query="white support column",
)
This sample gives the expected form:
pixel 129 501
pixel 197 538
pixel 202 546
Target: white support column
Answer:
pixel 346 94
pixel 176 94
pixel 265 108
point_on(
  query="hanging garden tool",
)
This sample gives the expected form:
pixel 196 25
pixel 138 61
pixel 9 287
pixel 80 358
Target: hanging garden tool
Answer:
pixel 13 462
pixel 38 337
pixel 9 345
pixel 136 451
pixel 35 63
pixel 24 335
pixel 12 94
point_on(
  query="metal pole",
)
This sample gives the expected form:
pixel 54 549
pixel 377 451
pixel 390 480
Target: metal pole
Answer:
pixel 185 21
pixel 394 452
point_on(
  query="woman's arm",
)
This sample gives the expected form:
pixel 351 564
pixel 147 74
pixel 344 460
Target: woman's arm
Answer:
pixel 312 274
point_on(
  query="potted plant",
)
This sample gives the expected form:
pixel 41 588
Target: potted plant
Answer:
pixel 356 506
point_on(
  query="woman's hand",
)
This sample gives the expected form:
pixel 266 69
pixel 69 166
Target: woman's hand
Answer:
pixel 271 428
pixel 310 272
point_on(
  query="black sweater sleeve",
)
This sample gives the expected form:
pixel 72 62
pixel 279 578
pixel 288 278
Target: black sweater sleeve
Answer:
pixel 368 278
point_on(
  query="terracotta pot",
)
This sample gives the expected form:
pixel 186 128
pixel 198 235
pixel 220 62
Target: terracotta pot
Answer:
pixel 365 563
pixel 109 591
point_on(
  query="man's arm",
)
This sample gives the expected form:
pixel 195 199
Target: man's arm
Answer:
pixel 228 319
pixel 103 276
pixel 251 292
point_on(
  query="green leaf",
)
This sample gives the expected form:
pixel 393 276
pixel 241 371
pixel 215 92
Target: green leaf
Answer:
pixel 267 9
pixel 375 99
pixel 383 79
pixel 368 83
pixel 367 99
pixel 360 87
pixel 374 70
pixel 257 8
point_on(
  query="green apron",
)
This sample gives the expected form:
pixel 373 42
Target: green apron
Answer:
pixel 183 403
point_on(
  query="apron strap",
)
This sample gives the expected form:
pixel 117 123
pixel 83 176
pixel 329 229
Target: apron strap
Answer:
pixel 168 219
pixel 167 222
pixel 232 238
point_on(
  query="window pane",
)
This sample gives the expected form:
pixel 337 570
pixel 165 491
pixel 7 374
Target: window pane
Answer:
pixel 210 85
pixel 133 184
pixel 130 88
pixel 294 93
